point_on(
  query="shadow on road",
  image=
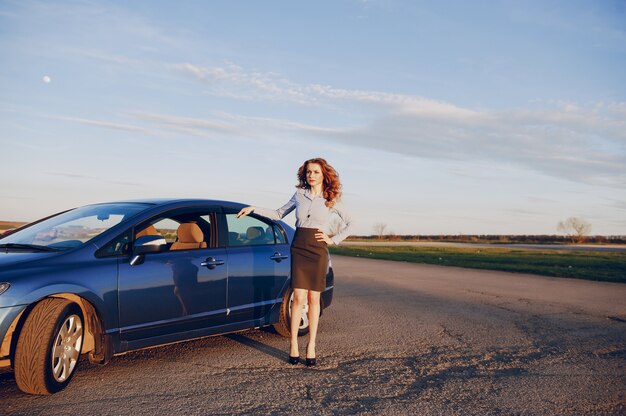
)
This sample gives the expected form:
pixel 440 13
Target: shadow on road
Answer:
pixel 274 352
pixel 6 375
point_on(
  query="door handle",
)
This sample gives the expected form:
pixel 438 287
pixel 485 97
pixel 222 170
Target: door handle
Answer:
pixel 277 257
pixel 212 263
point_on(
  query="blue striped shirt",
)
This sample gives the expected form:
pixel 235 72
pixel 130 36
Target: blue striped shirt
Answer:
pixel 312 212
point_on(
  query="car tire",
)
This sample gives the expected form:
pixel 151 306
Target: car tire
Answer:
pixel 49 345
pixel 283 324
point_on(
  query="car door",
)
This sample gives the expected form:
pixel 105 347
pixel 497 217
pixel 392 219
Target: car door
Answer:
pixel 259 266
pixel 176 293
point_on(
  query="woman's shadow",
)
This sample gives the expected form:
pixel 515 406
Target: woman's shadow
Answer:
pixel 264 348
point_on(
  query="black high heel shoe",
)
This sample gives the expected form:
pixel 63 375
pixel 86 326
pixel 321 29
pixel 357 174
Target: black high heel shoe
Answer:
pixel 310 362
pixel 294 360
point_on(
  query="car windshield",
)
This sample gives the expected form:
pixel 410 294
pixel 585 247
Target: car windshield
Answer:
pixel 72 228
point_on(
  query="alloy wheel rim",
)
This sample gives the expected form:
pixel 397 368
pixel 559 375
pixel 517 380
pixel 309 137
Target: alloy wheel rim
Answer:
pixel 66 348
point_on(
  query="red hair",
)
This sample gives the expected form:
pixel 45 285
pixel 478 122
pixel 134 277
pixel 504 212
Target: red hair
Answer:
pixel 331 185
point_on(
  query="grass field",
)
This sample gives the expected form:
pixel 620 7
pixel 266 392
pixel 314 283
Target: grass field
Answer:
pixel 610 267
pixel 5 225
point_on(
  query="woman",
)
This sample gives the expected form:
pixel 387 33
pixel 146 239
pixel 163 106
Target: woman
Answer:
pixel 316 198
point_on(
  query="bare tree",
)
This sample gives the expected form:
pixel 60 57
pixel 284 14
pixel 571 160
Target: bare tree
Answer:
pixel 576 228
pixel 379 229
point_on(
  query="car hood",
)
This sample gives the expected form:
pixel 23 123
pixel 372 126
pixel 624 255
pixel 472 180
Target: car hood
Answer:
pixel 16 257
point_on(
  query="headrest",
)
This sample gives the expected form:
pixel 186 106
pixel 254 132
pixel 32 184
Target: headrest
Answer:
pixel 254 232
pixel 189 233
pixel 149 230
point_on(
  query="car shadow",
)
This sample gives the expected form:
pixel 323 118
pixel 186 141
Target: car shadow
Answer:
pixel 259 346
pixel 6 375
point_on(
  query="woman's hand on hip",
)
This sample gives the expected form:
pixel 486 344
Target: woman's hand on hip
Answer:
pixel 245 211
pixel 321 236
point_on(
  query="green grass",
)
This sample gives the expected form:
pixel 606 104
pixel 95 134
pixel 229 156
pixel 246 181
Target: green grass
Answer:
pixel 604 266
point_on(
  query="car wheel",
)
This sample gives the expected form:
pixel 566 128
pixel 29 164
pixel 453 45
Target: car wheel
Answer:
pixel 48 349
pixel 283 324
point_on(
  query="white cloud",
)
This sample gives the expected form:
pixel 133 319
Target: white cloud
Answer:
pixel 581 143
pixel 189 125
pixel 232 81
pixel 102 56
pixel 564 139
pixel 521 138
pixel 110 125
pixel 592 154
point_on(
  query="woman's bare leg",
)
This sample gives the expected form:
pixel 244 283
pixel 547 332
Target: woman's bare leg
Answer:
pixel 299 299
pixel 314 318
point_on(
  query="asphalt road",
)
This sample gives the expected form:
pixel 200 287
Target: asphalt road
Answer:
pixel 400 338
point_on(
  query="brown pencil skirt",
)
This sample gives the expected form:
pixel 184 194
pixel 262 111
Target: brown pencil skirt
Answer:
pixel 309 261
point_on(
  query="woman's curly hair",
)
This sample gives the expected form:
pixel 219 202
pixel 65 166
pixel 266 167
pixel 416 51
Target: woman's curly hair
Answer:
pixel 331 184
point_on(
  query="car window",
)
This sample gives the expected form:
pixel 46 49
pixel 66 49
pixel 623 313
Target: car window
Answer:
pixel 167 225
pixel 167 228
pixel 249 231
pixel 120 245
pixel 279 235
pixel 182 230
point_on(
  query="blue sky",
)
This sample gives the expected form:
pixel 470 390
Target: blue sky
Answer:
pixel 494 117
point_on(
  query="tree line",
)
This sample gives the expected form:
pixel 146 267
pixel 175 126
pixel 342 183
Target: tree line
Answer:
pixel 494 238
pixel 576 230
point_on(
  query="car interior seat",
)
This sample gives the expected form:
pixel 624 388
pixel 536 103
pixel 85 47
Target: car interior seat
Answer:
pixel 189 236
pixel 233 239
pixel 149 230
pixel 255 235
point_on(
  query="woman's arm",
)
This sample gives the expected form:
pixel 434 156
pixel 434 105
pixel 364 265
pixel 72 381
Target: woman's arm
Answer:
pixel 346 217
pixel 270 213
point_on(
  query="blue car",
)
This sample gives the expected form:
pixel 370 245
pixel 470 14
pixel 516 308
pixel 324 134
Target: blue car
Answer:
pixel 109 278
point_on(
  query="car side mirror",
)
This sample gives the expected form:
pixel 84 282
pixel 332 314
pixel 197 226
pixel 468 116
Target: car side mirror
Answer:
pixel 147 244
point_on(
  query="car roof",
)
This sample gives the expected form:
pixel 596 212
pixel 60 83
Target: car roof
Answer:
pixel 175 201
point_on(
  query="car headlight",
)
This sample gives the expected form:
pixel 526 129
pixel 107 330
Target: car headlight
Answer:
pixel 4 287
